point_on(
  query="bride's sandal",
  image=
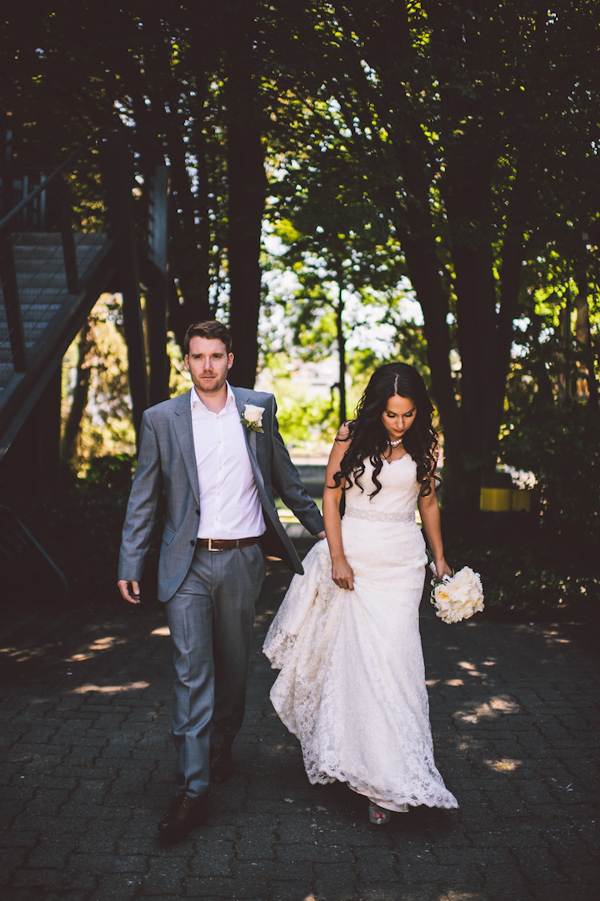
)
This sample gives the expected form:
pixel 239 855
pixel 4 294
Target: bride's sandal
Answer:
pixel 379 816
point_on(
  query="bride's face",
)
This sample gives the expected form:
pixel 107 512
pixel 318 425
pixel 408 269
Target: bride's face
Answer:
pixel 398 416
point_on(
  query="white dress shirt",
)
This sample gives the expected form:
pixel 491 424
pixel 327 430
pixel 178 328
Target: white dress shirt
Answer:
pixel 229 502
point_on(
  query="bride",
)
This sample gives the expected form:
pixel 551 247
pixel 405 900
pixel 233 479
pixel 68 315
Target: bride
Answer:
pixel 346 637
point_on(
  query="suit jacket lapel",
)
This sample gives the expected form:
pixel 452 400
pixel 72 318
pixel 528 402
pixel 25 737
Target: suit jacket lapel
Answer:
pixel 242 398
pixel 182 424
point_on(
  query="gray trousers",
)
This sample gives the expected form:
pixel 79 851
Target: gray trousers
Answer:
pixel 210 619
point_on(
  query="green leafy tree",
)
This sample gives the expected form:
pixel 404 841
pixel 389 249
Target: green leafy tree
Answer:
pixel 472 133
pixel 336 243
pixel 478 129
pixel 186 80
pixel 95 379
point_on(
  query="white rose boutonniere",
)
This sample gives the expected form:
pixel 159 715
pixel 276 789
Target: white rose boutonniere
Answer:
pixel 252 417
pixel 457 597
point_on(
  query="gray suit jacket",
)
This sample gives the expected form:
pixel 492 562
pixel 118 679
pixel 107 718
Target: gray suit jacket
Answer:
pixel 167 460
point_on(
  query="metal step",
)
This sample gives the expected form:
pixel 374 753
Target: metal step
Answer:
pixel 43 295
pixel 51 239
pixel 29 281
pixel 6 364
pixel 40 269
pixel 50 254
pixel 6 371
pixel 31 327
pixel 34 310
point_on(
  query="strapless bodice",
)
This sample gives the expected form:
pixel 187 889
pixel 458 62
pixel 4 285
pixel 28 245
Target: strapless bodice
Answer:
pixel 398 496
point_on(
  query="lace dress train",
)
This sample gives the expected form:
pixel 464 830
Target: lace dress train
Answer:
pixel 352 681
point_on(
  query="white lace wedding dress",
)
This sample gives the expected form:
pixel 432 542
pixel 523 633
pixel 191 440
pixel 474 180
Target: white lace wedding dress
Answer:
pixel 352 681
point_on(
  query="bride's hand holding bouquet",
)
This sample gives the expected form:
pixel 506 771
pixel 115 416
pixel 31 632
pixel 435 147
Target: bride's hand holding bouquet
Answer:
pixel 440 569
pixel 455 596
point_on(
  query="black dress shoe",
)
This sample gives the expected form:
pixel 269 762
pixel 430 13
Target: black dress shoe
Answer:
pixel 184 815
pixel 221 764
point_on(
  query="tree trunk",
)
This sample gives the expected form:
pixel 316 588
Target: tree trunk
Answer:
pixel 341 345
pixel 538 366
pixel 485 305
pixel 565 338
pixel 70 436
pixel 189 259
pixel 188 249
pixel 584 341
pixel 424 273
pixel 247 192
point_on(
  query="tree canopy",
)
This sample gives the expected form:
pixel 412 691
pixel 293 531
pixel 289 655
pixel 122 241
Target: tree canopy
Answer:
pixel 477 131
pixel 462 138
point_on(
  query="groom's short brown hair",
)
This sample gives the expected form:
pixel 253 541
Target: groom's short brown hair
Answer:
pixel 211 328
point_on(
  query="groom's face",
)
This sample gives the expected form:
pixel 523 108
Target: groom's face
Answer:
pixel 208 363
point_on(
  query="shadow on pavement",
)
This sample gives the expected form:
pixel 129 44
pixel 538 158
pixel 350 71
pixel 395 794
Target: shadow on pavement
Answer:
pixel 87 771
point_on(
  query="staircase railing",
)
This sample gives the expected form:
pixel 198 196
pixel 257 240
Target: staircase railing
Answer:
pixel 19 552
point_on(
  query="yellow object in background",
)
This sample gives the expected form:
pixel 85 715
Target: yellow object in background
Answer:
pixel 495 500
pixel 520 500
pixel 505 500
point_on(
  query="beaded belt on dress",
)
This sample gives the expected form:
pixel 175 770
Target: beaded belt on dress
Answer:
pixel 378 516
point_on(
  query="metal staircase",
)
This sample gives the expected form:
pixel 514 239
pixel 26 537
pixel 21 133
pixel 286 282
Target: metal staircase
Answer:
pixel 51 273
pixel 50 315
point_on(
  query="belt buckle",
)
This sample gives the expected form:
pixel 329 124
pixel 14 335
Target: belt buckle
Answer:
pixel 215 550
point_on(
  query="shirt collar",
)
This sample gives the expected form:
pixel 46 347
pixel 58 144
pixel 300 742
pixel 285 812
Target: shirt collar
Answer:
pixel 195 401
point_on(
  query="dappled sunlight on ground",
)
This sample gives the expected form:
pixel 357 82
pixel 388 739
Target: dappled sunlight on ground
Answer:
pixel 100 644
pixel 504 765
pixel 470 667
pixel 87 743
pixel 550 632
pixel 492 709
pixel 459 896
pixel 19 655
pixel 82 653
pixel 110 689
pixel 553 638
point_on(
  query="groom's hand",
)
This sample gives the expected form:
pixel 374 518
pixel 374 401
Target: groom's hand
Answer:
pixel 134 596
pixel 321 535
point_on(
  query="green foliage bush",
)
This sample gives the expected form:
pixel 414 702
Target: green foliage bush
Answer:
pixel 534 566
pixel 542 565
pixel 113 472
pixel 79 526
pixel 307 422
pixel 562 449
pixel 525 576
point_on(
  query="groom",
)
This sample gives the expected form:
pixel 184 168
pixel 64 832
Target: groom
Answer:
pixel 217 454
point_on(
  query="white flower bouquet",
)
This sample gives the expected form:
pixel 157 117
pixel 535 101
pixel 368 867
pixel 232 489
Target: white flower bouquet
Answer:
pixel 252 417
pixel 457 597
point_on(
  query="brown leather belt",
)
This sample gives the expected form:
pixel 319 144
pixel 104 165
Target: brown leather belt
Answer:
pixel 225 544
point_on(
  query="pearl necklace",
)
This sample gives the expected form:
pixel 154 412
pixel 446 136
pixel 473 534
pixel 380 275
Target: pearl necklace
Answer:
pixel 395 443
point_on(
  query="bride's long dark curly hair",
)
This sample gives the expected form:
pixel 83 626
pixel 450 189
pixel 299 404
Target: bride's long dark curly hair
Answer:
pixel 369 438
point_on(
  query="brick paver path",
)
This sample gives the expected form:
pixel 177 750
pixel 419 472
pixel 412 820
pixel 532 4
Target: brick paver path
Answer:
pixel 87 768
